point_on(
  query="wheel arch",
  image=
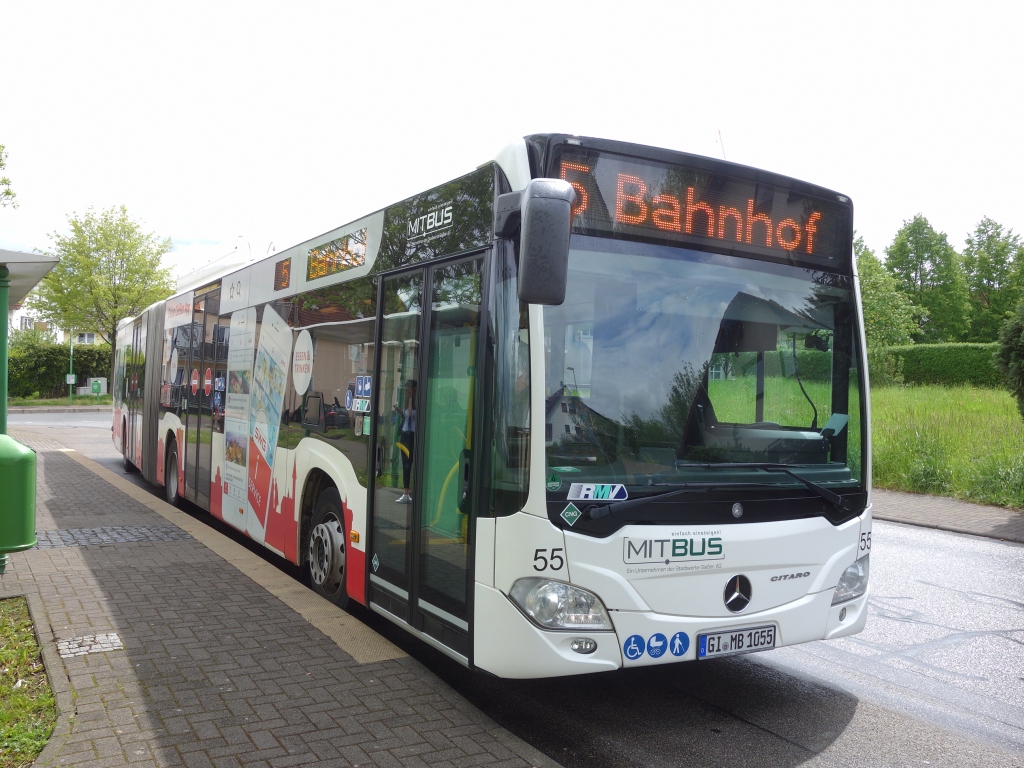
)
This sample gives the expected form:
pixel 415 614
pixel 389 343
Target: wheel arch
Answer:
pixel 321 466
pixel 317 481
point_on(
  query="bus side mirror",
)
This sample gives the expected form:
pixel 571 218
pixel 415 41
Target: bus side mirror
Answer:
pixel 313 417
pixel 543 215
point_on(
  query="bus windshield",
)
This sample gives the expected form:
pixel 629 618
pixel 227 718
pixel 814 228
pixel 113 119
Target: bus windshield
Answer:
pixel 668 366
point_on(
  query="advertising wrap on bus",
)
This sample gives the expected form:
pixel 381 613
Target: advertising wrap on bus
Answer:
pixel 670 464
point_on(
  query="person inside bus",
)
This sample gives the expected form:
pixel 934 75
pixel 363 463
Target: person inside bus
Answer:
pixel 408 438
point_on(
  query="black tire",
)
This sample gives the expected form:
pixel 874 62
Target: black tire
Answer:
pixel 129 468
pixel 171 490
pixel 326 549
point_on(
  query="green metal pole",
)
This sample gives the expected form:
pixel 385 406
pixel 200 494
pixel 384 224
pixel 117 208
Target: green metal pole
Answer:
pixel 71 367
pixel 4 286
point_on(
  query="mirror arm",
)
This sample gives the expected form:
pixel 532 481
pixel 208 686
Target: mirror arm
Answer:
pixel 508 214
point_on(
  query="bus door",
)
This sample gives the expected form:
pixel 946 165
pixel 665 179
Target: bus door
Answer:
pixel 421 566
pixel 135 375
pixel 203 419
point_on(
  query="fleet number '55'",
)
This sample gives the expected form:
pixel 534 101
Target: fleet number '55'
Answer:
pixel 540 556
pixel 865 542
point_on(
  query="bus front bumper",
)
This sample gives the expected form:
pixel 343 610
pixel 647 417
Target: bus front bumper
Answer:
pixel 509 645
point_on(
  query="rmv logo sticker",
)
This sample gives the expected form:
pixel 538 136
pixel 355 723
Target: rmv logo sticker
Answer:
pixel 597 492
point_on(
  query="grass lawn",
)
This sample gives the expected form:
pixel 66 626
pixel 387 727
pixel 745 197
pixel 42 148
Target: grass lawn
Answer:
pixel 79 400
pixel 965 442
pixel 27 709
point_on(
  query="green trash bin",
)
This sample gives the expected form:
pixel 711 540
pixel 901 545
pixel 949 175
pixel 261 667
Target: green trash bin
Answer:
pixel 17 498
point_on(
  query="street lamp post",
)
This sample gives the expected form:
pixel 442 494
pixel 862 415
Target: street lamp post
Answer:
pixel 71 367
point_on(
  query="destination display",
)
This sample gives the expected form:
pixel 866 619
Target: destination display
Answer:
pixel 343 253
pixel 631 197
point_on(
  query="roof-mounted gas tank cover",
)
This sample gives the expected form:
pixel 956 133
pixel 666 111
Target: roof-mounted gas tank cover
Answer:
pixel 542 214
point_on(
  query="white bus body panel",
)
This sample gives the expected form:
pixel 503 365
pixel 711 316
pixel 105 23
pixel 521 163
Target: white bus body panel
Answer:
pixel 811 554
pixel 793 566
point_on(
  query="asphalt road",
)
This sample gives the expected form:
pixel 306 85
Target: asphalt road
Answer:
pixel 935 679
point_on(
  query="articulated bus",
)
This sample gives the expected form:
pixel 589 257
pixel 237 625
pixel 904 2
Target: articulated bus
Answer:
pixel 593 405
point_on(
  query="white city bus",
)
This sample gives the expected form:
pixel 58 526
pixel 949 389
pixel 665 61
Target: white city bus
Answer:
pixel 593 405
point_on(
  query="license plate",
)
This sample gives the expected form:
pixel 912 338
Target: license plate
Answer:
pixel 745 640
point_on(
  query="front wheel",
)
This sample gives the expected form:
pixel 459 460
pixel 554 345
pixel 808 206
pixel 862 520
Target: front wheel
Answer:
pixel 171 492
pixel 325 549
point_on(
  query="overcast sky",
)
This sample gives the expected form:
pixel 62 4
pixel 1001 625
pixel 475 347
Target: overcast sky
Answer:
pixel 227 125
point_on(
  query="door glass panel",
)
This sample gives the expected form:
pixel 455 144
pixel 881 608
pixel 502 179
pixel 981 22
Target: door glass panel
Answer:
pixel 209 397
pixel 193 388
pixel 447 438
pixel 395 484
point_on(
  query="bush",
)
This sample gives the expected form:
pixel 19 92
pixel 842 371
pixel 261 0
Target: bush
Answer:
pixel 948 364
pixel 1010 355
pixel 43 367
pixel 811 364
pixel 885 367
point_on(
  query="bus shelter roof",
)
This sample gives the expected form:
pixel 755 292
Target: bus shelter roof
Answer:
pixel 27 269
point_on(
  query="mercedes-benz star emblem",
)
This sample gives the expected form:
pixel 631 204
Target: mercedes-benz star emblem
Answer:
pixel 738 593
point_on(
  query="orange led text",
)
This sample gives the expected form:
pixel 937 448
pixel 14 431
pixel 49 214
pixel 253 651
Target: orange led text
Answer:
pixel 693 216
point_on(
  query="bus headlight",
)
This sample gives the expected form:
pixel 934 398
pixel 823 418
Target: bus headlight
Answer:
pixel 854 582
pixel 556 605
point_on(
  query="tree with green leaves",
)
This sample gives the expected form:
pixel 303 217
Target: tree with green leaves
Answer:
pixel 993 260
pixel 890 317
pixel 1010 354
pixel 931 273
pixel 7 195
pixel 109 269
pixel 28 338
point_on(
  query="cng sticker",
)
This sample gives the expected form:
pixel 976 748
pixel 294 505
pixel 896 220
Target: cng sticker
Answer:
pixel 603 491
pixel 376 563
pixel 570 514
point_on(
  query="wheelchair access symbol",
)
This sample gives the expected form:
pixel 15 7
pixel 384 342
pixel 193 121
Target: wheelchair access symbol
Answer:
pixel 634 647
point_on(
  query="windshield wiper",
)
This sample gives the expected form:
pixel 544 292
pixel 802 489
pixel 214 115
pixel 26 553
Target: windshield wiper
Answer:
pixel 595 511
pixel 833 498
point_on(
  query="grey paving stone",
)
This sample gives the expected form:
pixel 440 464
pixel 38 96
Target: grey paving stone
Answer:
pixel 214 670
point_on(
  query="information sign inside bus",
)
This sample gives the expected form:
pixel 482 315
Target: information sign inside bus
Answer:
pixel 631 197
pixel 343 253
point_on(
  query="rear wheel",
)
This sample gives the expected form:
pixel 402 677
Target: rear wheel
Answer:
pixel 171 492
pixel 325 549
pixel 125 461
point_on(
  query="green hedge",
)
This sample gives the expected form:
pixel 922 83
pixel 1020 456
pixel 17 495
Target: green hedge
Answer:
pixel 812 364
pixel 949 364
pixel 42 368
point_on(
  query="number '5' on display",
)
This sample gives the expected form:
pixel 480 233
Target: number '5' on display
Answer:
pixel 542 556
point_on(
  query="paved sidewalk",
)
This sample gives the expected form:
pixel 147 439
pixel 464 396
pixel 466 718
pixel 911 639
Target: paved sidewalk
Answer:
pixel 949 515
pixel 182 648
pixel 59 408
pixel 178 652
